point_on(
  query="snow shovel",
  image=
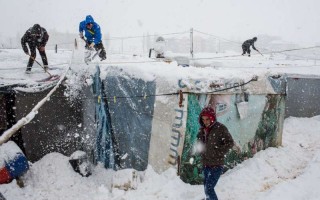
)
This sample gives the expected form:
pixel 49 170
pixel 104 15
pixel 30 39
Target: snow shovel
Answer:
pixel 88 55
pixel 259 52
pixel 51 77
pixel 87 44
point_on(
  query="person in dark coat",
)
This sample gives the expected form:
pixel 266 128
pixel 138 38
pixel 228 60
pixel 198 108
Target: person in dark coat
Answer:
pixel 36 37
pixel 93 35
pixel 246 46
pixel 216 141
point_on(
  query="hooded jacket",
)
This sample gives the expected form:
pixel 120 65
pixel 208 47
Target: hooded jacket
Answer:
pixel 249 43
pixel 93 34
pixel 216 140
pixel 36 35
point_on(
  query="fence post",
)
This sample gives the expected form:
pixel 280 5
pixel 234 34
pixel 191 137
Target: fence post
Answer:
pixel 191 42
pixel 217 45
pixel 56 48
pixel 75 43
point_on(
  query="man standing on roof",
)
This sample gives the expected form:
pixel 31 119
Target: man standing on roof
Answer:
pixel 215 141
pixel 246 46
pixel 35 37
pixel 93 35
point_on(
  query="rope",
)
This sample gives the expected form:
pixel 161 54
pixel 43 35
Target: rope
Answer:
pixel 176 93
pixel 114 98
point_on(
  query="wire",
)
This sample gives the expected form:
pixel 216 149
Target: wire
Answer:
pixel 287 65
pixel 217 37
pixel 143 36
pixel 280 52
pixel 287 50
pixel 165 94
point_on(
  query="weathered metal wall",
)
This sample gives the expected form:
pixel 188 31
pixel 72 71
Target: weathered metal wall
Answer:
pixel 56 127
pixel 303 94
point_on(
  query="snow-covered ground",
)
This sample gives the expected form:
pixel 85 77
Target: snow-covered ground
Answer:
pixel 288 172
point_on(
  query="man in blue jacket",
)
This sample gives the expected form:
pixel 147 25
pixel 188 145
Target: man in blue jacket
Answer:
pixel 93 35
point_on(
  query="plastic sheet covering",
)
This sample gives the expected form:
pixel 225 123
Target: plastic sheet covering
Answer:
pixel 124 116
pixel 131 113
pixel 104 145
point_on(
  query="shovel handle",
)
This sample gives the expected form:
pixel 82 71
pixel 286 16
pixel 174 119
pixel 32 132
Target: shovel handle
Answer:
pixel 39 64
pixel 259 52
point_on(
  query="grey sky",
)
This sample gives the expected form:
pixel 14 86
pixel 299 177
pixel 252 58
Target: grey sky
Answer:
pixel 295 21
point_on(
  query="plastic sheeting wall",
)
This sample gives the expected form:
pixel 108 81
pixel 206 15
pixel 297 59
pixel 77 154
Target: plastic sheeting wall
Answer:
pixel 124 119
pixel 140 128
pixel 104 151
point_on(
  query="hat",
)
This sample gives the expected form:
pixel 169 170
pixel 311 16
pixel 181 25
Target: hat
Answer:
pixel 208 112
pixel 89 19
pixel 36 29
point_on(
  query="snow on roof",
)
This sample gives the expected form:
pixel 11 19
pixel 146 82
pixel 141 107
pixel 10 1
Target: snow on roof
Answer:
pixel 210 67
pixel 13 64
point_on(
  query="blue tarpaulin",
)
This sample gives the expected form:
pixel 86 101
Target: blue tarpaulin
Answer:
pixel 124 116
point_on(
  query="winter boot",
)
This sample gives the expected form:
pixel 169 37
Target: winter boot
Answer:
pixel 28 70
pixel 20 182
pixel 45 67
pixel 103 58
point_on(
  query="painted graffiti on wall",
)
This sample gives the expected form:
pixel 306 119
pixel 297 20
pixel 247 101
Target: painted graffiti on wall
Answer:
pixel 178 131
pixel 176 136
pixel 259 128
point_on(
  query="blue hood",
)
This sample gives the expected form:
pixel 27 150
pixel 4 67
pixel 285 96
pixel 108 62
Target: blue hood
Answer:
pixel 89 19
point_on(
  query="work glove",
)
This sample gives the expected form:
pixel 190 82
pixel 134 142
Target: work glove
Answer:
pixel 91 45
pixel 81 35
pixel 25 49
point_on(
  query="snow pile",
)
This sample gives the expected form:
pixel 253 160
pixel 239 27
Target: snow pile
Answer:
pixel 289 172
pixel 274 168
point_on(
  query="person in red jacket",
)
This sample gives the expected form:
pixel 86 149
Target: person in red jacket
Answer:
pixel 216 141
pixel 36 37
